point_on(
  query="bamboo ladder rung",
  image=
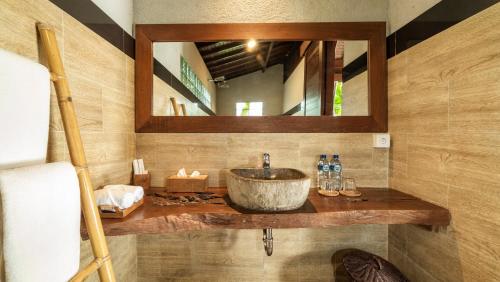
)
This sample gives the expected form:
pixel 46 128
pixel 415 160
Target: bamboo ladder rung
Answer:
pixel 89 269
pixel 102 261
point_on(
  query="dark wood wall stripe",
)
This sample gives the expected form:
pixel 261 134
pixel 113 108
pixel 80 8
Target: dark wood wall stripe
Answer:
pixel 355 67
pixel 435 20
pixel 128 45
pixel 89 14
pixel 293 110
pixel 438 18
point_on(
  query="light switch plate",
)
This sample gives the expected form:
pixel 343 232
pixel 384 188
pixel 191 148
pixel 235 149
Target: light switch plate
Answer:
pixel 381 140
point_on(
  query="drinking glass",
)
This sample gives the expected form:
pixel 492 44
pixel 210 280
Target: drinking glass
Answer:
pixel 349 184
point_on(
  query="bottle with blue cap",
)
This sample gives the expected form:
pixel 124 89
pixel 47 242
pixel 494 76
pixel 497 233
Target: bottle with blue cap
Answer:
pixel 335 173
pixel 322 171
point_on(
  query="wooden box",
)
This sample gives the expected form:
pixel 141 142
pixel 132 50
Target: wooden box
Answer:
pixel 115 212
pixel 143 180
pixel 187 183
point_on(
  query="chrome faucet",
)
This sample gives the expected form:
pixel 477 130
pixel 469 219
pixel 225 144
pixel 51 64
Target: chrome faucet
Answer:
pixel 267 161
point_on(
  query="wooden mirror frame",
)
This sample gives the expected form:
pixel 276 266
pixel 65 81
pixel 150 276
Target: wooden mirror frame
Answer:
pixel 373 32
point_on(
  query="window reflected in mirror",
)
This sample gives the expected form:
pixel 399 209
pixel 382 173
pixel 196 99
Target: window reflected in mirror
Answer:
pixel 249 109
pixel 260 78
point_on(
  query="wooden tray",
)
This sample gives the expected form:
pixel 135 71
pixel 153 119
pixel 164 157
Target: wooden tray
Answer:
pixel 105 212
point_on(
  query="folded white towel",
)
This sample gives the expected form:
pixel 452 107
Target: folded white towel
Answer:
pixel 41 222
pixel 122 196
pixel 24 111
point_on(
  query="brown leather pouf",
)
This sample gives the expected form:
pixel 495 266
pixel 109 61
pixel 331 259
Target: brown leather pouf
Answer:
pixel 366 267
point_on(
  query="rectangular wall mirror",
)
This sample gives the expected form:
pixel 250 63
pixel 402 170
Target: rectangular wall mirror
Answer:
pixel 321 77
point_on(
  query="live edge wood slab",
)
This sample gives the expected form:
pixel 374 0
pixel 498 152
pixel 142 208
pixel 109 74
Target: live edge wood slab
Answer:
pixel 375 206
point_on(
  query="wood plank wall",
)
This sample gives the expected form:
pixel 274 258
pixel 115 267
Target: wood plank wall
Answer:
pixel 101 78
pixel 444 118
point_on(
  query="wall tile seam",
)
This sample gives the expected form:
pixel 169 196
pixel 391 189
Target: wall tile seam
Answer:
pixel 74 76
pixel 101 85
pixel 420 268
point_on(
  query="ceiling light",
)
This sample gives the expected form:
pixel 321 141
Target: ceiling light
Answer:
pixel 251 44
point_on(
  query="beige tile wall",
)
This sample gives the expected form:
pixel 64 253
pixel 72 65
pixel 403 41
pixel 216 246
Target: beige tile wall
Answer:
pixel 101 81
pixel 213 153
pixel 444 118
pixel 238 255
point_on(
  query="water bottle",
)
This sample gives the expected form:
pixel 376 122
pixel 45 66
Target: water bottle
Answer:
pixel 326 174
pixel 335 173
pixel 321 171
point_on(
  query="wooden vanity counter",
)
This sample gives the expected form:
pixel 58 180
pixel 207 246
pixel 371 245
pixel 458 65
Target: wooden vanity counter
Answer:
pixel 374 206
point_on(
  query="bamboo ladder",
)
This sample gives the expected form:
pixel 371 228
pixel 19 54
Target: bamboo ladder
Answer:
pixel 175 106
pixel 102 260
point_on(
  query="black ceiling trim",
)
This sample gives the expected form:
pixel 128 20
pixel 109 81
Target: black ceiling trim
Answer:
pixel 436 19
pixel 89 14
pixel 433 21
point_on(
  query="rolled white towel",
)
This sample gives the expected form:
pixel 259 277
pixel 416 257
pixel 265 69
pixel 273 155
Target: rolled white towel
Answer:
pixel 122 196
pixel 116 198
pixel 138 191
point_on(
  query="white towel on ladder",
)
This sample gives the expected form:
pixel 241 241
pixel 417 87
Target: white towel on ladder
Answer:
pixel 40 204
pixel 41 222
pixel 24 111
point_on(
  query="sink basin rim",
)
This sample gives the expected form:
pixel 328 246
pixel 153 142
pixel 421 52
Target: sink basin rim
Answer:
pixel 278 194
pixel 302 178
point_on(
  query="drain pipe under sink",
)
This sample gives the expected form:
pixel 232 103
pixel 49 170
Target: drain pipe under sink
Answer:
pixel 268 240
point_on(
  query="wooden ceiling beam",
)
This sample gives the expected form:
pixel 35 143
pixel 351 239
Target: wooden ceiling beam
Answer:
pixel 303 47
pixel 269 50
pixel 241 65
pixel 223 52
pixel 245 59
pixel 228 57
pixel 261 61
pixel 235 68
pixel 242 53
pixel 254 65
pixel 205 47
pixel 249 70
pixel 214 63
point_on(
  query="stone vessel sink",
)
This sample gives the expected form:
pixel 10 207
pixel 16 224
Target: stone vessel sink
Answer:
pixel 275 189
